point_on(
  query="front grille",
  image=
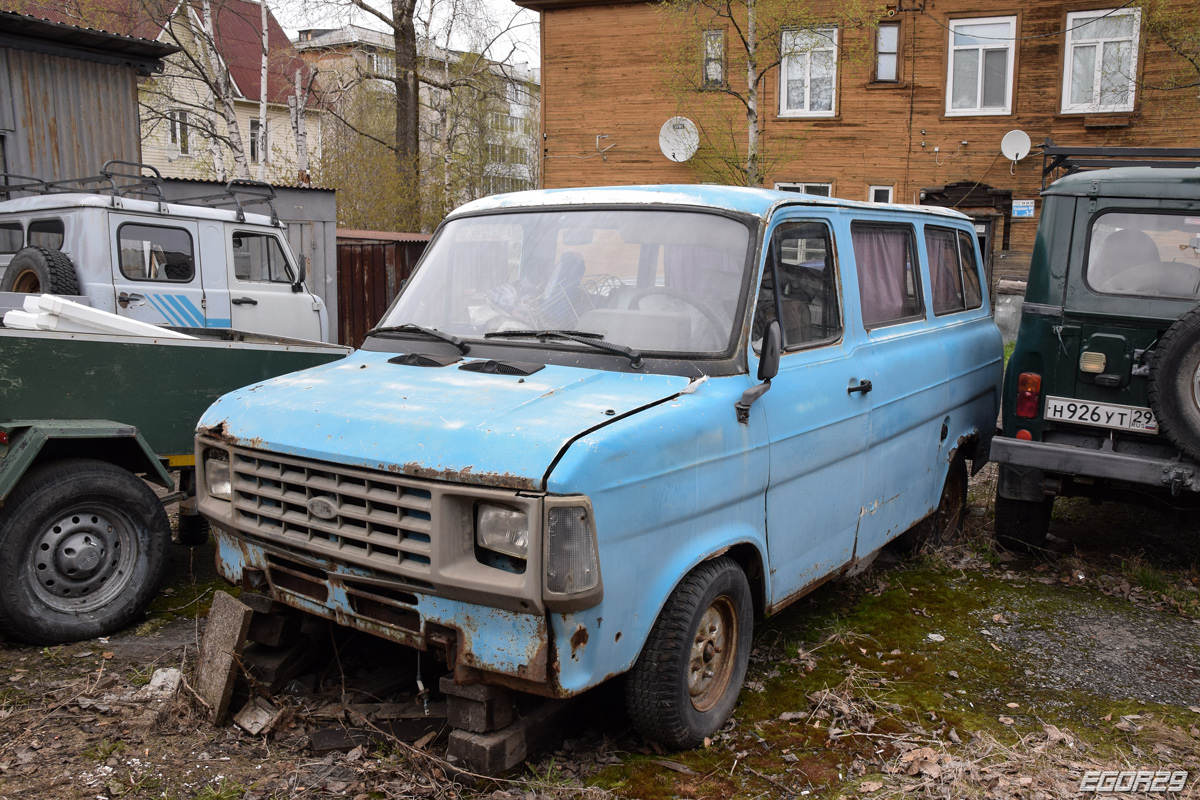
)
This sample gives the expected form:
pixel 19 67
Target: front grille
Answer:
pixel 377 520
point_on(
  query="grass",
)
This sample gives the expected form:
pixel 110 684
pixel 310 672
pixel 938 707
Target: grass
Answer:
pixel 104 750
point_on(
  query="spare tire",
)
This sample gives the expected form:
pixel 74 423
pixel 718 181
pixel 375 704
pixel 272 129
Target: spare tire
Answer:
pixel 40 270
pixel 1175 384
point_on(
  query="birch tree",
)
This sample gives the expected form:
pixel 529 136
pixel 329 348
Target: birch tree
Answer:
pixel 718 56
pixel 262 95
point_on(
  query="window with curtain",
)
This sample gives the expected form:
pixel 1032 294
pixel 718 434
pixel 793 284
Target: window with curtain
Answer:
pixel 808 72
pixel 981 66
pixel 1101 60
pixel 889 285
pixel 953 273
pixel 887 51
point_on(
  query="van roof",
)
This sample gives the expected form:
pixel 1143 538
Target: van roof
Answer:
pixel 758 202
pixel 1160 182
pixel 65 200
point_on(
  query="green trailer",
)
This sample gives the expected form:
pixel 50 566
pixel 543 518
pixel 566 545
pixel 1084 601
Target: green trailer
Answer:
pixel 86 422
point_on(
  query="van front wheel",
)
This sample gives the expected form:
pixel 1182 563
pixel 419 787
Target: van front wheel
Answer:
pixel 685 683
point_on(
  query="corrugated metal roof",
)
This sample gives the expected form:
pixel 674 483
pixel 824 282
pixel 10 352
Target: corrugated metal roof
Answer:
pixel 238 26
pixel 65 31
pixel 275 183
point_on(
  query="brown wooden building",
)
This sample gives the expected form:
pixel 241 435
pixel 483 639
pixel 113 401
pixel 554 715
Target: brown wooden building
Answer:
pixel 916 117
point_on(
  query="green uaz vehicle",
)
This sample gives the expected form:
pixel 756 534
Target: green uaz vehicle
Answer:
pixel 1102 392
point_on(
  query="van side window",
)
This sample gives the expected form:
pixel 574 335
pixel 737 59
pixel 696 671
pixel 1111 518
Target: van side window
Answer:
pixel 46 233
pixel 258 257
pixel 800 264
pixel 972 292
pixel 889 283
pixel 11 237
pixel 150 253
pixel 953 276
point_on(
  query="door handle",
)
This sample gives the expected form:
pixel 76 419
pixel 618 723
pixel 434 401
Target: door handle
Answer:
pixel 125 298
pixel 244 301
pixel 863 386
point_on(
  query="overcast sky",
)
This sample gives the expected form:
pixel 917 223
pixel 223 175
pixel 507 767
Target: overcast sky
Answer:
pixel 295 15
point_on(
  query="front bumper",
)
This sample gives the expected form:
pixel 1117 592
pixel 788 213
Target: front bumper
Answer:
pixel 1174 475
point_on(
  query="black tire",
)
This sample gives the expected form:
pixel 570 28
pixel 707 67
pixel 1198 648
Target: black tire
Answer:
pixel 1175 384
pixel 674 694
pixel 192 531
pixel 83 549
pixel 40 270
pixel 1023 524
pixel 945 524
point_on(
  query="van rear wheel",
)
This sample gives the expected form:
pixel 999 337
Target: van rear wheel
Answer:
pixel 686 681
pixel 945 524
pixel 1023 524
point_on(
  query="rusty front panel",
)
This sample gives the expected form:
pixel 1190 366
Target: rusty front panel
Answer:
pixel 370 275
pixel 493 645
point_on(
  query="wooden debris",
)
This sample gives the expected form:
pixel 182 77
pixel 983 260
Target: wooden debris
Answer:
pixel 224 638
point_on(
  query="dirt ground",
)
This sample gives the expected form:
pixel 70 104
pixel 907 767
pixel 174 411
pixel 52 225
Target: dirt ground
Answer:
pixel 971 672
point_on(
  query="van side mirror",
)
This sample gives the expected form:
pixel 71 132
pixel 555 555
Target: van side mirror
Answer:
pixel 302 265
pixel 768 368
pixel 768 359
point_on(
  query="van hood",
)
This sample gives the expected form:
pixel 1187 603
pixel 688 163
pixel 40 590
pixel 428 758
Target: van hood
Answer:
pixel 431 422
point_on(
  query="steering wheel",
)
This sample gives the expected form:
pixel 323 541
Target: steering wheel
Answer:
pixel 706 313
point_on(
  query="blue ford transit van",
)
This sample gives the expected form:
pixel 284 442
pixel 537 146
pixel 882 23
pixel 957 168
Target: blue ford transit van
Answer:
pixel 602 430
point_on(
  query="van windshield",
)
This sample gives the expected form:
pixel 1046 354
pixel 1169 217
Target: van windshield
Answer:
pixel 655 281
pixel 1145 254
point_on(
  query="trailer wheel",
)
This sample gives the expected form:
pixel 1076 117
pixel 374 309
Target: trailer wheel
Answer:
pixel 38 270
pixel 83 549
pixel 686 681
pixel 1175 384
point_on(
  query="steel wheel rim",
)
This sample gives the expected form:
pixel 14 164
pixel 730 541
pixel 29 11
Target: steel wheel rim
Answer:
pixel 83 559
pixel 710 666
pixel 1196 388
pixel 27 282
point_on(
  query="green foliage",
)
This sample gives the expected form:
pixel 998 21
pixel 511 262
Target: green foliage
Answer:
pixel 1175 25
pixel 104 750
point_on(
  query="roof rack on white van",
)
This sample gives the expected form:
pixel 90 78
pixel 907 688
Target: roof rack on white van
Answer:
pixel 124 178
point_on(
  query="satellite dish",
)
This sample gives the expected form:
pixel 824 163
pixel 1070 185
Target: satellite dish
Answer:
pixel 679 139
pixel 1015 145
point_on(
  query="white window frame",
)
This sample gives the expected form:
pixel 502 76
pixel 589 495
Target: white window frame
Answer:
pixel 803 187
pixel 830 35
pixel 1008 45
pixel 894 53
pixel 1073 21
pixel 177 132
pixel 252 151
pixel 881 187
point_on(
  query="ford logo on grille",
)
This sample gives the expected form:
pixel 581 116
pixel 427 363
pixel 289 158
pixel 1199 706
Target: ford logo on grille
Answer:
pixel 322 507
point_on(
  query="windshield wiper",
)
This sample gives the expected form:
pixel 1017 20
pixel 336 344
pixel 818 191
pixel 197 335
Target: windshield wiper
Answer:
pixel 595 340
pixel 409 327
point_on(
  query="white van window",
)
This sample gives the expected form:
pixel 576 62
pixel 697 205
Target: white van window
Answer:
pixel 151 253
pixel 258 257
pixel 11 237
pixel 46 233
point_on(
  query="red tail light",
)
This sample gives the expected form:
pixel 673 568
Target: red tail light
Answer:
pixel 1025 435
pixel 1029 390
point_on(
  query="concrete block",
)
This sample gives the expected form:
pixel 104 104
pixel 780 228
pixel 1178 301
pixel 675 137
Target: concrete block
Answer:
pixel 501 750
pixel 224 639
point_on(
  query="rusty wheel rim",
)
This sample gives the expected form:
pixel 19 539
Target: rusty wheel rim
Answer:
pixel 27 283
pixel 712 656
pixel 950 509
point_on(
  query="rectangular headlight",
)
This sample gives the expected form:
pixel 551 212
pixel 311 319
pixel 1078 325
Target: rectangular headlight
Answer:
pixel 572 564
pixel 502 529
pixel 216 475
